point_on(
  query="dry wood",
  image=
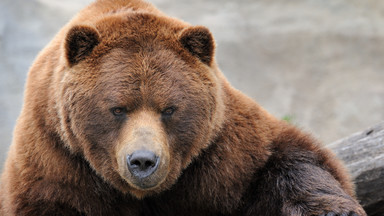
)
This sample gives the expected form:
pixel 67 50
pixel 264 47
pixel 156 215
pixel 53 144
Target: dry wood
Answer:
pixel 363 154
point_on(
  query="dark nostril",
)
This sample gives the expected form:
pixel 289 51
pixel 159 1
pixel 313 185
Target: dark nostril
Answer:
pixel 149 164
pixel 142 163
pixel 135 163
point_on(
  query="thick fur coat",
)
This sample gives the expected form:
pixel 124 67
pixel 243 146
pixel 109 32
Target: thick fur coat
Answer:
pixel 127 113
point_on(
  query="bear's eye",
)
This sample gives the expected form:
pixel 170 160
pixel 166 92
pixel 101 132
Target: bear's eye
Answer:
pixel 168 111
pixel 118 111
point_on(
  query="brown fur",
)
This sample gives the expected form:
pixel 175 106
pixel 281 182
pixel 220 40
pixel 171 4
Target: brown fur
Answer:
pixel 121 77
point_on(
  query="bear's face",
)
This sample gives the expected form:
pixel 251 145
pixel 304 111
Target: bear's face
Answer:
pixel 137 102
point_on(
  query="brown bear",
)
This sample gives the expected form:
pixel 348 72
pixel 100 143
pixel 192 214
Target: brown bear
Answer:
pixel 127 113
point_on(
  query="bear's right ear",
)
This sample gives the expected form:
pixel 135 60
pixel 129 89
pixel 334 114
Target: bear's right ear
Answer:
pixel 80 42
pixel 199 41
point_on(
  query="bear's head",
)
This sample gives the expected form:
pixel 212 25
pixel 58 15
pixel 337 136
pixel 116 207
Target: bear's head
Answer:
pixel 139 98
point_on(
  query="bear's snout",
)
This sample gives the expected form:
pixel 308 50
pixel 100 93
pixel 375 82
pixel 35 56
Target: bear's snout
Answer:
pixel 142 163
pixel 143 152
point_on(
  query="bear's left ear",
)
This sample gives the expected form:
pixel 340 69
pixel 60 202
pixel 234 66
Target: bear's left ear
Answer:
pixel 199 42
pixel 80 42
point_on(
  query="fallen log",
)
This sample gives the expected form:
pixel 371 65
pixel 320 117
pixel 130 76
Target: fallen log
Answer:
pixel 363 154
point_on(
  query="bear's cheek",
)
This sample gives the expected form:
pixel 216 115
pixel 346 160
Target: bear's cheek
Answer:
pixel 142 152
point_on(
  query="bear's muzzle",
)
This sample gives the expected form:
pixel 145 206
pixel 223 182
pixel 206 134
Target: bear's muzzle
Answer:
pixel 143 152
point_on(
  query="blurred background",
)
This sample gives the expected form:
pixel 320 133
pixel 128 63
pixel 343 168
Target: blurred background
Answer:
pixel 316 63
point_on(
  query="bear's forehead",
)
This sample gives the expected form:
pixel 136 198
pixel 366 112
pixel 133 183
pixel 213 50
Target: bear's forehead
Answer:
pixel 143 74
pixel 141 27
pixel 139 56
pixel 140 40
pixel 141 46
pixel 150 64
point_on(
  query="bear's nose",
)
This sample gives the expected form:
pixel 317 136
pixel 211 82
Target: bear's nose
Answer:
pixel 142 163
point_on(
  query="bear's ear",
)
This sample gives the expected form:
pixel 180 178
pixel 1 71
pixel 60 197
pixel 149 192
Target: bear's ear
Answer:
pixel 199 42
pixel 80 42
